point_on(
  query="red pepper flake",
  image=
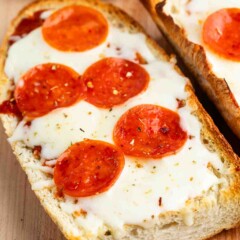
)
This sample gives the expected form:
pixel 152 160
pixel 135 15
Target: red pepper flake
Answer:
pixel 28 124
pixel 191 137
pixel 37 151
pixel 181 103
pixel 140 59
pixel 160 201
pixel 10 107
pixel 59 193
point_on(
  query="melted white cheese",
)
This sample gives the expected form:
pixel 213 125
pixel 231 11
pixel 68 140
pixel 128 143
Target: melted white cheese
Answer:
pixel 57 130
pixel 191 15
pixel 135 196
pixel 39 52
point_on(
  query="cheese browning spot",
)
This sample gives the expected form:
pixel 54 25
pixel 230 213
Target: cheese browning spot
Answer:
pixel 79 213
pixel 139 165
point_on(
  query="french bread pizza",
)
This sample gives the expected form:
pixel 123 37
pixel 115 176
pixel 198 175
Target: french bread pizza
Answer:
pixel 108 130
pixel 205 34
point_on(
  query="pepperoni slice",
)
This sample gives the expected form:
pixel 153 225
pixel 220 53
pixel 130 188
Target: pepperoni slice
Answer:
pixel 149 131
pixel 221 33
pixel 112 81
pixel 47 87
pixel 75 28
pixel 88 168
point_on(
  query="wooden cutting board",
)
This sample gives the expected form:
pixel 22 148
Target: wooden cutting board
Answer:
pixel 21 216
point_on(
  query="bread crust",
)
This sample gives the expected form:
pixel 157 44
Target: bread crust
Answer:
pixel 230 197
pixel 194 56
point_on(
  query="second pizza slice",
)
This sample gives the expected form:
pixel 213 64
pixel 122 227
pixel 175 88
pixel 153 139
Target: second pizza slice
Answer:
pixel 206 35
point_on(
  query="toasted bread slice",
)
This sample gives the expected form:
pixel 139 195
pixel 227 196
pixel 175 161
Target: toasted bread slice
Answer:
pixel 195 57
pixel 201 217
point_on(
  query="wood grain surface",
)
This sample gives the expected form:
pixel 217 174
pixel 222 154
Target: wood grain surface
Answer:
pixel 21 216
